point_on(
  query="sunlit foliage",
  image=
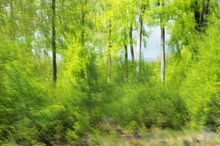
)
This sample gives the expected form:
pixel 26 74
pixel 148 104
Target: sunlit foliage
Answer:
pixel 82 102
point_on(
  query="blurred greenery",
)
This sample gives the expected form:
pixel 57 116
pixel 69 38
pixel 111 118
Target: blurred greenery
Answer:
pixel 82 107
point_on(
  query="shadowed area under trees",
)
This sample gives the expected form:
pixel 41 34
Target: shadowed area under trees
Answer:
pixel 73 72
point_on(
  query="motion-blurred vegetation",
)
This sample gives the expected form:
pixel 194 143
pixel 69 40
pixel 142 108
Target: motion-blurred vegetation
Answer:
pixel 98 96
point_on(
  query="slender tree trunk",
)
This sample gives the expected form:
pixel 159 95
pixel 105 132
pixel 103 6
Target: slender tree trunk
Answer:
pixel 109 53
pixel 139 39
pixel 131 43
pixel 162 44
pixel 54 41
pixel 126 53
pixel 82 52
pixel 126 60
pixel 109 65
pixel 162 49
pixel 125 47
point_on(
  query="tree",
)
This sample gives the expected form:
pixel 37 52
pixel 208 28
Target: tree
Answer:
pixel 82 38
pixel 182 27
pixel 139 38
pixel 162 46
pixel 131 42
pixel 54 40
pixel 201 11
pixel 109 27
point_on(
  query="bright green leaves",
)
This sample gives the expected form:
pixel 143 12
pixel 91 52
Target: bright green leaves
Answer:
pixel 88 32
pixel 182 25
pixel 201 84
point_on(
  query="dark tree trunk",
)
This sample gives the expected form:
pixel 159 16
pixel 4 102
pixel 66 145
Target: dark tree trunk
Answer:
pixel 125 46
pixel 54 41
pixel 201 14
pixel 205 12
pixel 126 53
pixel 197 16
pixel 131 42
pixel 126 61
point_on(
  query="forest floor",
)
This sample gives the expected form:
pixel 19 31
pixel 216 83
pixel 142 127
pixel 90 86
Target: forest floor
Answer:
pixel 156 137
pixel 164 138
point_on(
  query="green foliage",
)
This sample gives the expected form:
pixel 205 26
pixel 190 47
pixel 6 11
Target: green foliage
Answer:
pixel 152 106
pixel 212 114
pixel 195 75
pixel 82 103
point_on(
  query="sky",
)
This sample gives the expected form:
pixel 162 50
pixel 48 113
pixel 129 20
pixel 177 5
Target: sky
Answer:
pixel 152 51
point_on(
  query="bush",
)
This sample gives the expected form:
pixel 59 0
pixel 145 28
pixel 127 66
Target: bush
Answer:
pixel 152 106
pixel 212 119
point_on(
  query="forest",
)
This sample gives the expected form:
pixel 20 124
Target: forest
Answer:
pixel 73 72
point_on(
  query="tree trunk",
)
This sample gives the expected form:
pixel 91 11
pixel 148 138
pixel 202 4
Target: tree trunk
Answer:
pixel 126 53
pixel 162 48
pixel 201 14
pixel 82 51
pixel 54 41
pixel 131 43
pixel 197 15
pixel 126 48
pixel 162 45
pixel 126 61
pixel 109 53
pixel 205 12
pixel 109 66
pixel 139 39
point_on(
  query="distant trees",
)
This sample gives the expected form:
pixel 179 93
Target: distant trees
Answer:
pixel 201 11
